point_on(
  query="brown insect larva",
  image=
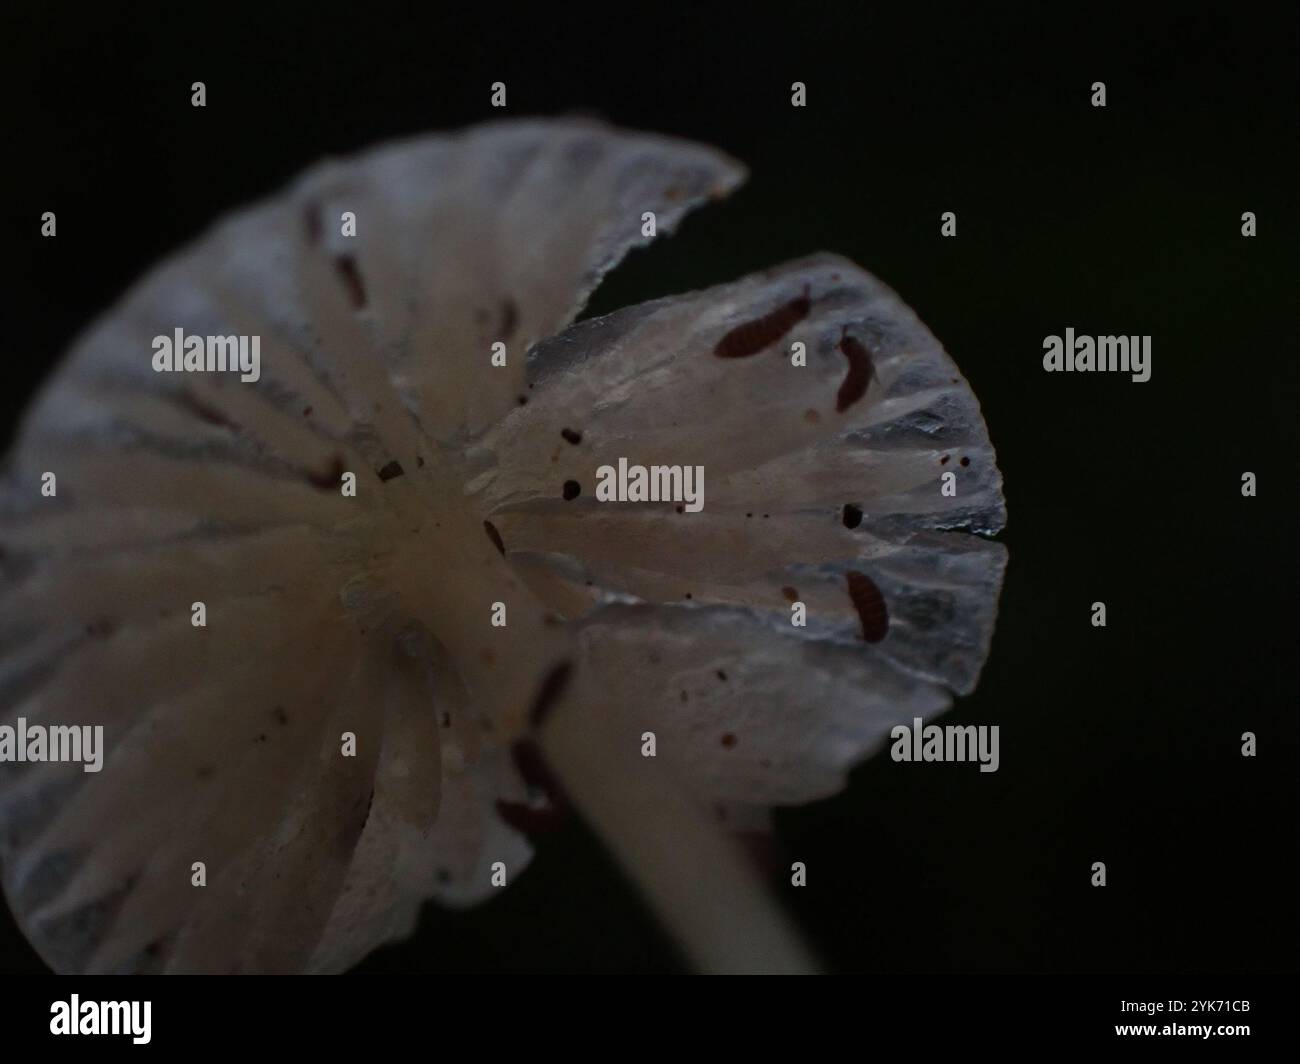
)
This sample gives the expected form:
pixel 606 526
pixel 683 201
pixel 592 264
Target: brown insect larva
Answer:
pixel 870 604
pixel 751 337
pixel 494 536
pixel 861 370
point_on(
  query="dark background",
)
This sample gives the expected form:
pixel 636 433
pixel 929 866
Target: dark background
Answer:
pixel 1119 744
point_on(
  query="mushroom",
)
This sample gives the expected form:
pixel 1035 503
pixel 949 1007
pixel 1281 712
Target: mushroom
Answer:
pixel 495 643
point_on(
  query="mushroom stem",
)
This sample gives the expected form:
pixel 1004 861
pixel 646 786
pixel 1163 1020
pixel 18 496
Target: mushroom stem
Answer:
pixel 693 876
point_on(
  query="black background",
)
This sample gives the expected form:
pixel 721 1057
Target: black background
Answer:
pixel 1119 744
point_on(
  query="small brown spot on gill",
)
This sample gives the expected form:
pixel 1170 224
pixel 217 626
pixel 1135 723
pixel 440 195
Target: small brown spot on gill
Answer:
pixel 390 470
pixel 722 676
pixel 861 370
pixel 944 459
pixel 330 478
pixel 346 267
pixel 751 337
pixel 312 224
pixel 522 400
pixel 306 411
pixel 728 740
pixel 572 489
pixel 494 536
pixel 791 595
pixel 573 436
pixel 852 515
pixel 446 720
pixel 281 717
pixel 870 606
pixel 965 461
pixel 509 318
pixel 811 416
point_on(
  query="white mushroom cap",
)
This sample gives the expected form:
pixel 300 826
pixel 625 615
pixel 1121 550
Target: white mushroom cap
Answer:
pixel 328 613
